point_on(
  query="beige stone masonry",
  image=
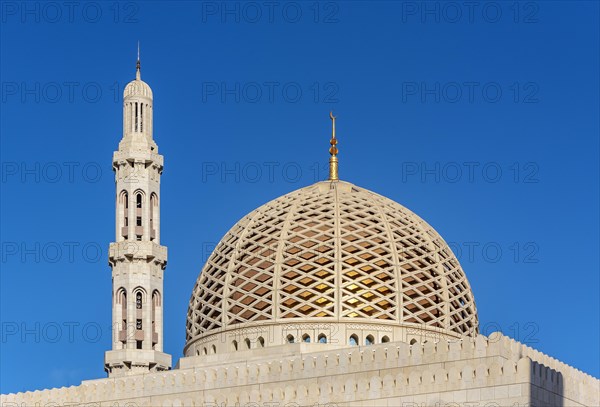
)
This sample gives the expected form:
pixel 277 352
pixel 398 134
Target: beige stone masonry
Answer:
pixel 483 370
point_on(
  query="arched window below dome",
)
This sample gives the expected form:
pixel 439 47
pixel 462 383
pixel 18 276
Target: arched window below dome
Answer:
pixel 261 342
pixel 290 338
pixel 205 351
pixel 156 303
pixel 306 338
pixel 153 213
pixel 123 212
pixel 413 341
pixel 385 339
pixel 138 218
pixel 322 338
pixel 248 343
pixel 369 340
pixel 213 349
pixel 353 341
pixel 234 345
pixel 122 299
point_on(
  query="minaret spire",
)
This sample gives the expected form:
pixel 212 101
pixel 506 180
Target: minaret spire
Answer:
pixel 138 74
pixel 333 160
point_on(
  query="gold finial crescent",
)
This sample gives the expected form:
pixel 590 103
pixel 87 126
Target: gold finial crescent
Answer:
pixel 332 117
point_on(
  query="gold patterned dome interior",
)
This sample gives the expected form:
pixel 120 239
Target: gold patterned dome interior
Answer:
pixel 332 252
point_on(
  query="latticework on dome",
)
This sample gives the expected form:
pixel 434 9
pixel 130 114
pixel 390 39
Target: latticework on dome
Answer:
pixel 332 252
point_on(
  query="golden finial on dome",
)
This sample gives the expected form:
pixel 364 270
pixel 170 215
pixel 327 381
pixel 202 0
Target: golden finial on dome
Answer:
pixel 137 66
pixel 333 150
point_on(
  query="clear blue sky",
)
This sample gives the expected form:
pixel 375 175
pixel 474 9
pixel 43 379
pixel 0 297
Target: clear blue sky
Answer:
pixel 483 121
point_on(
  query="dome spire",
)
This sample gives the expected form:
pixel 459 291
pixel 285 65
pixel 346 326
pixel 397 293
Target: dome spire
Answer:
pixel 333 161
pixel 138 74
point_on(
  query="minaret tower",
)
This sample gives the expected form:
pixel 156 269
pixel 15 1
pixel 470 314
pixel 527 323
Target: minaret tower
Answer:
pixel 136 257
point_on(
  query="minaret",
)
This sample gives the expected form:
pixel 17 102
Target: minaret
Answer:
pixel 136 257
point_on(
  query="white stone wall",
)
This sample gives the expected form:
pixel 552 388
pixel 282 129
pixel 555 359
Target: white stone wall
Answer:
pixel 495 371
pixel 335 332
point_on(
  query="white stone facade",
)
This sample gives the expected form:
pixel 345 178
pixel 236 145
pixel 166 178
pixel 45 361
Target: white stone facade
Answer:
pixel 494 371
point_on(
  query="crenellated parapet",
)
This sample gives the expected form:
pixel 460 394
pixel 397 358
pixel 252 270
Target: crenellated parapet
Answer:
pixel 468 371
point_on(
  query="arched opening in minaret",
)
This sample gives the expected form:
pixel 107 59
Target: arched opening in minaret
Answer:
pixel 131 118
pixel 139 230
pixel 156 303
pixel 136 117
pixel 149 121
pixel 138 301
pixel 121 299
pixel 124 213
pixel 140 314
pixel 141 117
pixel 153 213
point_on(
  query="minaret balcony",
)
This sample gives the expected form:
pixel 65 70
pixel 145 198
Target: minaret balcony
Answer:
pixel 147 157
pixel 131 250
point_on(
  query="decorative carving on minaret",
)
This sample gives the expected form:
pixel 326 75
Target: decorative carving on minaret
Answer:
pixel 137 258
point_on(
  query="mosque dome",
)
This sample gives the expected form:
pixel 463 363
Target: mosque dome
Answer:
pixel 331 262
pixel 137 87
